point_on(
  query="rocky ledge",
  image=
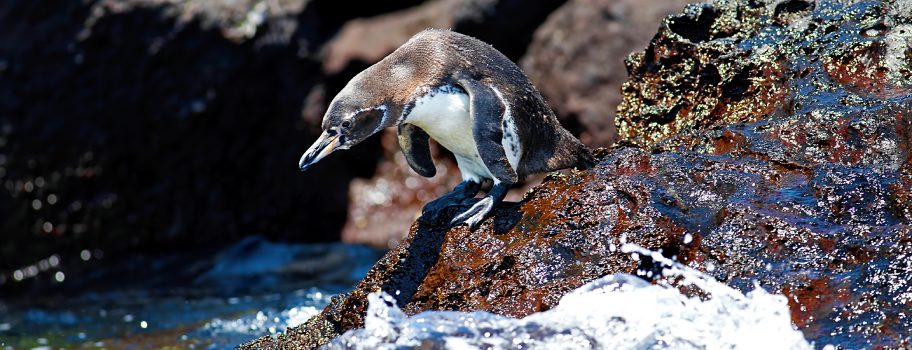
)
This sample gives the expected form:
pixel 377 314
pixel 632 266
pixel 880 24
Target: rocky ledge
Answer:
pixel 765 141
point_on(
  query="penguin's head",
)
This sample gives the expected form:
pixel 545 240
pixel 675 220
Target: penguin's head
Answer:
pixel 353 116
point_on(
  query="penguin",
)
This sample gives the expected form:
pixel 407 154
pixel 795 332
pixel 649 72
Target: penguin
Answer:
pixel 469 98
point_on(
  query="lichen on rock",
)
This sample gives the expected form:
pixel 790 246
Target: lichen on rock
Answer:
pixel 742 61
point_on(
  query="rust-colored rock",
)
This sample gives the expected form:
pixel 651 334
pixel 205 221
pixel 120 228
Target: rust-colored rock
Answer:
pixel 752 219
pixel 763 160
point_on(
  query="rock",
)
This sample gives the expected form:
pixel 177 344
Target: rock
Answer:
pixel 751 155
pixel 506 24
pixel 163 125
pixel 371 39
pixel 710 67
pixel 576 59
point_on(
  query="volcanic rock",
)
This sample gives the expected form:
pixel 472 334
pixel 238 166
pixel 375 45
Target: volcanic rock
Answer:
pixel 767 142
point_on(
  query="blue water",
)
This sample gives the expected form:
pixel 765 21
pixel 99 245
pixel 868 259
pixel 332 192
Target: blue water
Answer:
pixel 250 289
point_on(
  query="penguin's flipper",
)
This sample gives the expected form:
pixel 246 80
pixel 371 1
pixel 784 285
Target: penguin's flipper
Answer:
pixel 487 111
pixel 414 144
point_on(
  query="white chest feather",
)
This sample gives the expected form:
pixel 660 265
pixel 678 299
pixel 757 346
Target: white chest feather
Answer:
pixel 445 116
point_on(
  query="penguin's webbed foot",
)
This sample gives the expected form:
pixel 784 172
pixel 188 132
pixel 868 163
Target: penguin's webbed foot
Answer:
pixel 477 213
pixel 463 191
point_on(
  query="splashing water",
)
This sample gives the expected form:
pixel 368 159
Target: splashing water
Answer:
pixel 618 311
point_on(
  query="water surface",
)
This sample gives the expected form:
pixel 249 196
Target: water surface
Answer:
pixel 189 300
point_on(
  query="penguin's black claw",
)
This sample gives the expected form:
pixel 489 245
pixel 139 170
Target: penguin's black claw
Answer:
pixel 476 214
pixel 440 212
pixel 460 195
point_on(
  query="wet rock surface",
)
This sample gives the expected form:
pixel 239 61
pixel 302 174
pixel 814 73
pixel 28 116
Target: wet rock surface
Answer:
pixel 765 142
pixel 737 63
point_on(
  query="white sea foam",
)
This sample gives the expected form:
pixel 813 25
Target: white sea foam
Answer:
pixel 898 41
pixel 614 312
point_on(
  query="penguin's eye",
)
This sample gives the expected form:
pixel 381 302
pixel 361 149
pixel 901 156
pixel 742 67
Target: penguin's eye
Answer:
pixel 346 124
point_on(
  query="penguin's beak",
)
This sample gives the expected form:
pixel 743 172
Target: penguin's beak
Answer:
pixel 325 145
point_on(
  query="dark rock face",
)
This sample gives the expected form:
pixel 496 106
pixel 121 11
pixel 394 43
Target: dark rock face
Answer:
pixel 774 147
pixel 576 59
pixel 149 124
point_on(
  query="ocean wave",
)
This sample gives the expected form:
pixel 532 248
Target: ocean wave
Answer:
pixel 619 311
